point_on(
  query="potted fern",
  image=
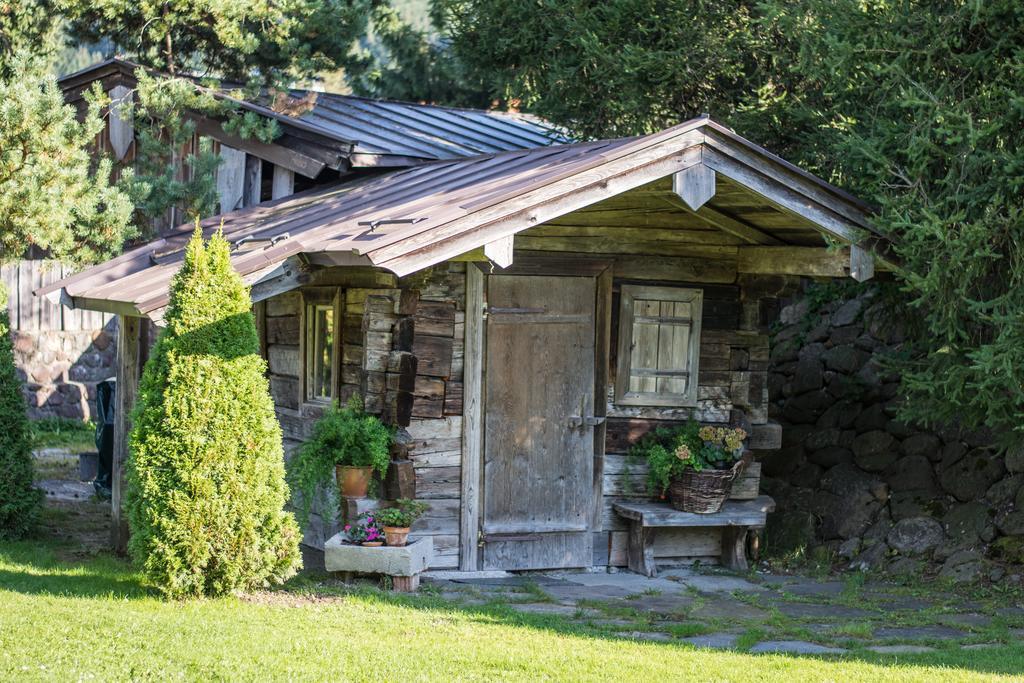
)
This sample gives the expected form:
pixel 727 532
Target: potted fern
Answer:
pixel 398 519
pixel 694 465
pixel 348 445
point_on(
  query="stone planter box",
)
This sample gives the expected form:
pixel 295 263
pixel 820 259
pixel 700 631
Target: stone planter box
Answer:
pixel 403 564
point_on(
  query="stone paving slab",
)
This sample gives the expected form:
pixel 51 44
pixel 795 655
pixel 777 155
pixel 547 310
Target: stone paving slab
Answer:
pixel 649 635
pixel 901 649
pixel 809 588
pixel 711 583
pixel 661 604
pixel 722 641
pixel 63 489
pixel 723 608
pixel 525 580
pixel 574 591
pixel 798 647
pixel 545 608
pixel 970 620
pixel 814 610
pixel 920 632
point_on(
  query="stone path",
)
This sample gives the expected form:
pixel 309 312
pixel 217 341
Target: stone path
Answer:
pixel 759 613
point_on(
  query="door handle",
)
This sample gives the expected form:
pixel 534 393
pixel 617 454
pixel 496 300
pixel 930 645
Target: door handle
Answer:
pixel 575 421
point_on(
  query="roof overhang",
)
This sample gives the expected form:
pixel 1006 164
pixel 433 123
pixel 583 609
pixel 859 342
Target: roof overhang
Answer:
pixel 408 220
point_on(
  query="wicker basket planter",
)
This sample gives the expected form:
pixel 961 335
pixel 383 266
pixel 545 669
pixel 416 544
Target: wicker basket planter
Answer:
pixel 703 492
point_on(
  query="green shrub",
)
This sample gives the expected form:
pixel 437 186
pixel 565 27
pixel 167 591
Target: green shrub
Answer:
pixel 19 499
pixel 343 436
pixel 205 481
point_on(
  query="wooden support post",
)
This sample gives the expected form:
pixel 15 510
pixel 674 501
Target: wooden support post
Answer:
pixel 640 549
pixel 128 360
pixel 253 181
pixel 283 183
pixel 405 584
pixel 230 178
pixel 862 263
pixel 472 421
pixel 734 548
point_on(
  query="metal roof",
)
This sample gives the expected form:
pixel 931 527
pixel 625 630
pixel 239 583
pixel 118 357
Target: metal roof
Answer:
pixel 377 132
pixel 407 220
pixel 406 130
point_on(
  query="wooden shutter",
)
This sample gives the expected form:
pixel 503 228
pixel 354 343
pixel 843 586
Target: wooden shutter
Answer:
pixel 659 346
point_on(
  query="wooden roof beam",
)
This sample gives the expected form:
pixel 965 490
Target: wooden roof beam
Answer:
pixel 724 222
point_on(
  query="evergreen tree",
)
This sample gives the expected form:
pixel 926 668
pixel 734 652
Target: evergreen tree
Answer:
pixel 27 27
pixel 19 499
pixel 403 62
pixel 205 481
pixel 53 195
pixel 268 40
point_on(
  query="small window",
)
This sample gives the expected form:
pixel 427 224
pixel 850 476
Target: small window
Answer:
pixel 322 345
pixel 659 346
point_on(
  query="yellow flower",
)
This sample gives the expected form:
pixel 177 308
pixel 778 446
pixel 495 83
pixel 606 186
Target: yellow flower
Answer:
pixel 683 452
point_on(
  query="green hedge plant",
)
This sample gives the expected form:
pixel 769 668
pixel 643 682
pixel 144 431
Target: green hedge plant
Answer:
pixel 19 499
pixel 342 436
pixel 205 481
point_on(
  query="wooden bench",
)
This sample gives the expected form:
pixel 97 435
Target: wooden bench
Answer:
pixel 736 517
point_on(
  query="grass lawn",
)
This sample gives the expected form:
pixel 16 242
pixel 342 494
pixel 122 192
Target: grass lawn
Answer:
pixel 55 432
pixel 71 615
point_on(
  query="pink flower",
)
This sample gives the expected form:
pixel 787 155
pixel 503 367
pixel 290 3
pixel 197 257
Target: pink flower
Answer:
pixel 348 527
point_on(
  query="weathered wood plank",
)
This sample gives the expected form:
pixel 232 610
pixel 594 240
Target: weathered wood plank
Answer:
pixel 283 304
pixel 284 360
pixel 283 183
pixel 230 178
pixel 733 513
pixel 805 261
pixel 472 422
pixel 434 355
pixel 435 318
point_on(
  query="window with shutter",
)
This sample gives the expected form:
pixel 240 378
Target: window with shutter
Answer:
pixel 659 346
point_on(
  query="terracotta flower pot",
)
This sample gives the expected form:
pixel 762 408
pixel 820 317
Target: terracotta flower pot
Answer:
pixel 373 544
pixel 353 481
pixel 396 535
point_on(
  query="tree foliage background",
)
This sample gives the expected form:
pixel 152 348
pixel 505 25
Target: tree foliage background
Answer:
pixel 915 105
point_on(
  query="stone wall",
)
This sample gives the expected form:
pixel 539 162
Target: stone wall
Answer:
pixel 60 369
pixel 855 484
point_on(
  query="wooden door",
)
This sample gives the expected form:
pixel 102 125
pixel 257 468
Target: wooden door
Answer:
pixel 538 426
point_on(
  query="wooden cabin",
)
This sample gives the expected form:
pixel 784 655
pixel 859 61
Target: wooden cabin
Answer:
pixel 524 317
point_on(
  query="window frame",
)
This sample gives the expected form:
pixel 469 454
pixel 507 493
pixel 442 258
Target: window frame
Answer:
pixel 313 298
pixel 628 295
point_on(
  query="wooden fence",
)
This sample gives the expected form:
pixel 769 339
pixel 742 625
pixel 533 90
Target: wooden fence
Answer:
pixel 36 314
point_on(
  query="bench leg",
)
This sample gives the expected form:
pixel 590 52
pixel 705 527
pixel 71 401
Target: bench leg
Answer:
pixel 734 548
pixel 640 549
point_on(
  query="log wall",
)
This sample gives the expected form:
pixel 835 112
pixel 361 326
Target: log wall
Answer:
pixel 422 317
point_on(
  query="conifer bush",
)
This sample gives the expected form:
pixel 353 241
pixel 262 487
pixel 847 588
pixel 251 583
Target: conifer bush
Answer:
pixel 205 489
pixel 19 499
